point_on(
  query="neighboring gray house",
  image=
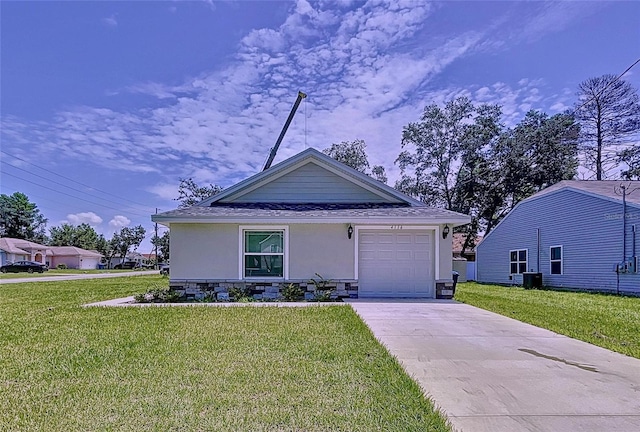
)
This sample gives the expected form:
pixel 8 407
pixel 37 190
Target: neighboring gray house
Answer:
pixel 311 214
pixel 572 233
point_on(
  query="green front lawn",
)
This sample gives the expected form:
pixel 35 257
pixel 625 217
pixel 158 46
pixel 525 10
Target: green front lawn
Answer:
pixel 64 367
pixel 605 320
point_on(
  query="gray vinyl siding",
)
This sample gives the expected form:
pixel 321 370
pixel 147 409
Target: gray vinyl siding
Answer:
pixel 310 183
pixel 588 228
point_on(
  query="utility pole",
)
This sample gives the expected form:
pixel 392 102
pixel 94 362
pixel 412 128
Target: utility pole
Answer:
pixel 156 242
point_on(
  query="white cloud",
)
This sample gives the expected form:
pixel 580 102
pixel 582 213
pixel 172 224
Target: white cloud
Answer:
pixel 164 191
pixel 363 72
pixel 119 222
pixel 86 217
pixel 110 21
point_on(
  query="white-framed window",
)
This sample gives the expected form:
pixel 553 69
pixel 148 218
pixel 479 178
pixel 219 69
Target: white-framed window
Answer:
pixel 518 261
pixel 555 260
pixel 263 252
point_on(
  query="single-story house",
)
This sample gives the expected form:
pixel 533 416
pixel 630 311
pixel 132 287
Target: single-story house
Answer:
pixel 20 250
pixel 577 234
pixel 312 215
pixel 72 257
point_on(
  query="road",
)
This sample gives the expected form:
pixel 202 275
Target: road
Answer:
pixel 63 277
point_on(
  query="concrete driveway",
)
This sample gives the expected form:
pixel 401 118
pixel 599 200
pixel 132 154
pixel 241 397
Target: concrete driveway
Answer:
pixel 488 372
pixel 62 277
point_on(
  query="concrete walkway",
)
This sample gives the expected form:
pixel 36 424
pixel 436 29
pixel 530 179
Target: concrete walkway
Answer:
pixel 488 372
pixel 61 277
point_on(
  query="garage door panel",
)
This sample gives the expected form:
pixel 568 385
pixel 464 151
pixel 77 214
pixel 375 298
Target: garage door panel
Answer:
pixel 402 266
pixel 423 238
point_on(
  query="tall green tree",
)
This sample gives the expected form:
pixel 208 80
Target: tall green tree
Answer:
pixel 82 236
pixel 126 239
pixel 608 110
pixel 433 147
pixel 462 158
pixel 20 218
pixel 190 193
pixel 162 242
pixel 354 154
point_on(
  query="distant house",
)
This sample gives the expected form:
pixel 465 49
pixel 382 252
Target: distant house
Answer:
pixel 464 262
pixel 73 257
pixel 575 233
pixel 19 249
pixel 311 214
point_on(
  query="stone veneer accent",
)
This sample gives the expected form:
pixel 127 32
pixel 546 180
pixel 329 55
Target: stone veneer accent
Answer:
pixel 198 289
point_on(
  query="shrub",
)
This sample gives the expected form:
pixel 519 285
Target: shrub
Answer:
pixel 158 295
pixel 240 294
pixel 323 292
pixel 291 292
pixel 61 266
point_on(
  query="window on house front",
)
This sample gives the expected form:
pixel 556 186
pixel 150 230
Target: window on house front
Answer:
pixel 263 253
pixel 555 258
pixel 518 261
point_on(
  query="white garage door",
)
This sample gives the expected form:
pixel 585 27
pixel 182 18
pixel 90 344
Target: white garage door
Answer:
pixel 395 264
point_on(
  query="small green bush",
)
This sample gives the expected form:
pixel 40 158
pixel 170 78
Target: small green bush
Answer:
pixel 61 266
pixel 241 294
pixel 292 292
pixel 158 295
pixel 323 292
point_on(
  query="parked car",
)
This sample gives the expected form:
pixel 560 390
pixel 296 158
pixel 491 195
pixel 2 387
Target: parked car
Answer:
pixel 164 269
pixel 24 266
pixel 128 265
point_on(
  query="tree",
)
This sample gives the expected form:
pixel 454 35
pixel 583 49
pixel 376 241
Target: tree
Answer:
pixel 631 157
pixel 189 193
pixel 104 247
pixel 462 158
pixel 608 110
pixel 162 242
pixel 538 152
pixel 353 154
pixel 125 239
pixel 21 219
pixel 429 169
pixel 82 236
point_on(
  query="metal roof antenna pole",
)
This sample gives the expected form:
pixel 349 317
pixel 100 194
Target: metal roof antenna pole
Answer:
pixel 274 150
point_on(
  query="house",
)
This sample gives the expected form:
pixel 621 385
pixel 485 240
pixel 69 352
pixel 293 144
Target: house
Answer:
pixel 136 257
pixel 578 234
pixel 311 214
pixel 72 257
pixel 464 262
pixel 19 250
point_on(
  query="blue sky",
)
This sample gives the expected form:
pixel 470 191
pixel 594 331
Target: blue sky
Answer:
pixel 124 98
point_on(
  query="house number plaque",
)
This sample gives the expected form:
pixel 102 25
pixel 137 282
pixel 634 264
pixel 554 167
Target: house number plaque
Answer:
pixel 396 227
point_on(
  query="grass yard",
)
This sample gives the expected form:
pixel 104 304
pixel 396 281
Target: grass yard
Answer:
pixel 605 320
pixel 64 367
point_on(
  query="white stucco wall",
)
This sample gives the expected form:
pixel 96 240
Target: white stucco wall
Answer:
pixel 211 251
pixel 204 251
pixel 321 248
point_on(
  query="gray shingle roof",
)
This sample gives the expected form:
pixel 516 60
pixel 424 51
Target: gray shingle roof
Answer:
pixel 605 188
pixel 310 210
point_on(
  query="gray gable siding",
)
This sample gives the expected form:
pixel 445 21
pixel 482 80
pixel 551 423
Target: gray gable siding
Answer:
pixel 311 184
pixel 588 228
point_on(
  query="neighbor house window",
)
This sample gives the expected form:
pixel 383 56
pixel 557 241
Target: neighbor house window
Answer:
pixel 555 258
pixel 263 253
pixel 518 261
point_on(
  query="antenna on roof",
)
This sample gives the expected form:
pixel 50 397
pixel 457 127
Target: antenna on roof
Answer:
pixel 274 149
